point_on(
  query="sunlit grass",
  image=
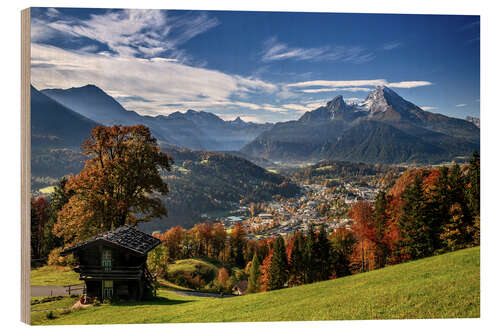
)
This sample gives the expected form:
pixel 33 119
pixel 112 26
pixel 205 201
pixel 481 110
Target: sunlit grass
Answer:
pixel 54 276
pixel 445 286
pixel 47 190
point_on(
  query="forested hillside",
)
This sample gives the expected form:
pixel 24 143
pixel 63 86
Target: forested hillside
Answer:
pixel 203 182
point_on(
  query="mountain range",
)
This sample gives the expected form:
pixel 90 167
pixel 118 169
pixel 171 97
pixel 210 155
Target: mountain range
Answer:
pixel 201 182
pixel 384 128
pixel 192 129
pixel 53 124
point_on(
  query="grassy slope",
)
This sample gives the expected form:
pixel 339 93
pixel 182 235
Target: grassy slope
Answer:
pixel 444 286
pixel 54 276
pixel 189 265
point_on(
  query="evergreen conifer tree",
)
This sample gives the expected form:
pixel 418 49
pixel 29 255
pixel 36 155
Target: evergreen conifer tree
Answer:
pixel 440 206
pixel 458 230
pixel 309 259
pixel 323 255
pixel 296 261
pixel 253 279
pixel 278 272
pixel 416 238
pixel 473 196
pixel 473 188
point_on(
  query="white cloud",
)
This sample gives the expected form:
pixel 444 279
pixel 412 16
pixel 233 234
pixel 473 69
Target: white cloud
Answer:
pixel 253 83
pixel 409 84
pixel 164 84
pixel 137 53
pixel 460 105
pixel 275 50
pixel 335 89
pixel 351 83
pixel 285 92
pixel 252 119
pixel 391 46
pixel 304 107
pixel 315 105
pixel 52 12
pixel 296 107
pixel 428 108
pixel 354 85
pixel 130 32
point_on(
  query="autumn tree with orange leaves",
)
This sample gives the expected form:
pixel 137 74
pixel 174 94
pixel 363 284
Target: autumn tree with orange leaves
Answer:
pixel 223 278
pixel 172 240
pixel 265 273
pixel 362 215
pixel 117 185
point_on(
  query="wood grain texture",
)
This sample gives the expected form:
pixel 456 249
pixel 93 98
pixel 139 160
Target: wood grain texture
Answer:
pixel 25 163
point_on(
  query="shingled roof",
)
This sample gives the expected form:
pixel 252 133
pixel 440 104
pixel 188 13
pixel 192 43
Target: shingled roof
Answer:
pixel 127 236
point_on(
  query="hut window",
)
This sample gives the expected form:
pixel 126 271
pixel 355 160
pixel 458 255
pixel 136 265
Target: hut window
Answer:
pixel 107 288
pixel 106 261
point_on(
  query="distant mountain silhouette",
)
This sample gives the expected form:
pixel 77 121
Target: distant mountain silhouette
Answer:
pixel 193 129
pixel 53 124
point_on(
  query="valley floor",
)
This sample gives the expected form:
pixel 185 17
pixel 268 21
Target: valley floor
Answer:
pixel 445 286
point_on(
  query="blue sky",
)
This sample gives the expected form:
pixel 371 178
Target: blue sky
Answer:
pixel 262 66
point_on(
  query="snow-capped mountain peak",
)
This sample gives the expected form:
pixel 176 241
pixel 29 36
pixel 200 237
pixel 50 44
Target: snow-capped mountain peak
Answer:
pixel 336 106
pixel 383 99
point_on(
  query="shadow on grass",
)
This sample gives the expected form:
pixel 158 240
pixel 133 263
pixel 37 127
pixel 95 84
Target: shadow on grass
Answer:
pixel 154 301
pixel 171 286
pixel 212 261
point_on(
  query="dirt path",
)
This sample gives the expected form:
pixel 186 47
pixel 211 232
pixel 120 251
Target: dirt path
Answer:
pixel 37 291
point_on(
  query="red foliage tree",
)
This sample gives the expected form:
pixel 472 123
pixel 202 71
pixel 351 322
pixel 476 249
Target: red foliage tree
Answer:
pixel 362 214
pixel 173 239
pixel 265 271
pixel 223 277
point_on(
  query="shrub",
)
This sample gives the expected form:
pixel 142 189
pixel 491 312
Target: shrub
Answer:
pixel 158 261
pixel 50 315
pixel 55 258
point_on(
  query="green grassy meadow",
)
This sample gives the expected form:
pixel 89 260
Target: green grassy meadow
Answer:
pixel 53 276
pixel 190 265
pixel 445 286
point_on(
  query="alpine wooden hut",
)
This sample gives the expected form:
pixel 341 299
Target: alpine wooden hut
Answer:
pixel 113 264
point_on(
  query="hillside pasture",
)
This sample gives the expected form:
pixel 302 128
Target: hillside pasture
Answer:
pixel 445 286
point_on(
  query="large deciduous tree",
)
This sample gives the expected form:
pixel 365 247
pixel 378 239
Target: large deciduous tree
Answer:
pixel 362 215
pixel 117 185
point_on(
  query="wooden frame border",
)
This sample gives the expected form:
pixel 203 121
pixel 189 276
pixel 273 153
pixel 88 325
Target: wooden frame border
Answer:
pixel 25 163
